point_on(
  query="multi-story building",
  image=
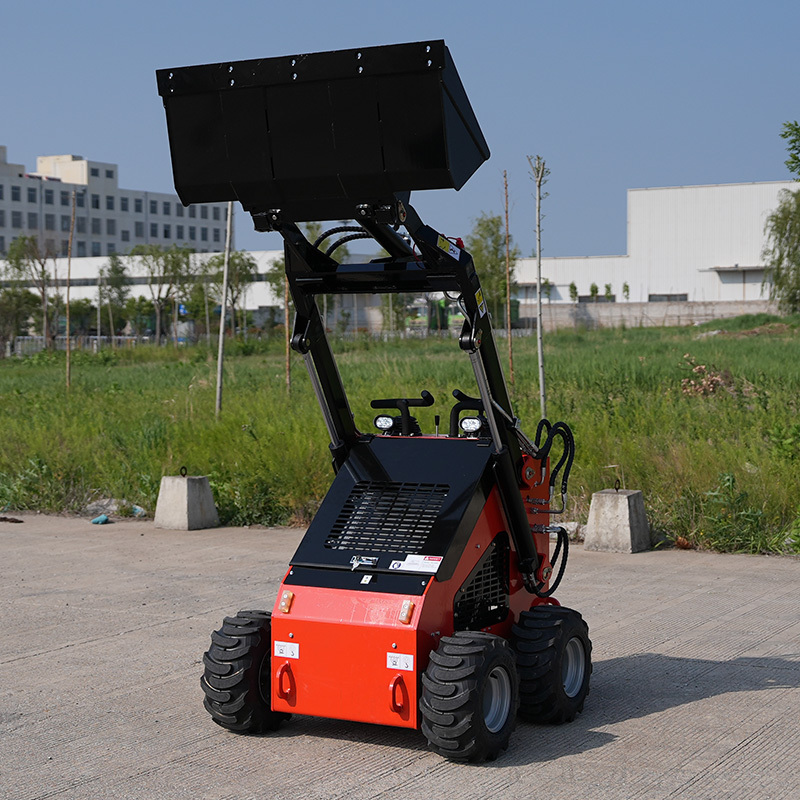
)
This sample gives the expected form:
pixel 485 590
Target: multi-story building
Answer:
pixel 108 219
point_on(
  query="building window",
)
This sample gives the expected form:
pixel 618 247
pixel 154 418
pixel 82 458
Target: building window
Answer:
pixel 123 204
pixel 96 201
pixel 111 248
pixel 203 234
pixel 1 191
pixel 166 208
pixel 81 249
pixel 64 248
pixel 16 219
pixel 138 205
pixel 125 236
pixel 167 232
pixel 95 248
pixel 31 194
pixel 49 197
pixel 215 213
pixel 2 218
pixel 179 231
pixel 65 222
pixel 153 230
pixel 64 198
pixel 96 226
pixel 192 232
pixel 216 234
pixel 94 172
pixel 33 220
pixel 203 212
pixel 154 207
pixel 80 224
pixel 2 245
pixel 192 212
pixel 109 202
pixel 111 227
pixel 178 207
pixel 110 174
pixel 49 222
pixel 16 194
pixel 138 230
pixel 667 298
pixel 80 199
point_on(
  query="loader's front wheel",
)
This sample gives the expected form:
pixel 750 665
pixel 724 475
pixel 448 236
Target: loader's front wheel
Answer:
pixel 470 696
pixel 236 679
pixel 554 661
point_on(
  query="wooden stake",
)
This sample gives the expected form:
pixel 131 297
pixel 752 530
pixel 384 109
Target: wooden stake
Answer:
pixel 508 288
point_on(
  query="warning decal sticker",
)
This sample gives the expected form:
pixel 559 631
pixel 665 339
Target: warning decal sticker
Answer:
pixel 481 302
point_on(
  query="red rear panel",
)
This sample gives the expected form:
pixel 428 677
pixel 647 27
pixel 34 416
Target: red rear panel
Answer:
pixel 346 655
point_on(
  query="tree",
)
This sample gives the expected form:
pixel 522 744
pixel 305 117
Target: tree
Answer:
pixel 29 263
pixel 573 292
pixel 782 252
pixel 165 270
pixel 791 133
pixel 487 245
pixel 140 314
pixel 242 271
pixel 626 291
pixel 607 293
pixel 547 289
pixel 81 316
pixel 16 308
pixel 112 292
pixel 593 292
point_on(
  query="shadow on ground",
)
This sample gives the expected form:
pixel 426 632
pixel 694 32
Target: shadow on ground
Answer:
pixel 623 688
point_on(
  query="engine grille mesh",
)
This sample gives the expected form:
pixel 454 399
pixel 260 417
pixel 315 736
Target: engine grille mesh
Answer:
pixel 387 517
pixel 483 599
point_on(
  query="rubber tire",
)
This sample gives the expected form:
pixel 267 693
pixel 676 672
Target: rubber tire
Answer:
pixel 454 689
pixel 542 640
pixel 237 675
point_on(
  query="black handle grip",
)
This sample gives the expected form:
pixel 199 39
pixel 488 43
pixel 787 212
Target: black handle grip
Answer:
pixel 465 403
pixel 426 400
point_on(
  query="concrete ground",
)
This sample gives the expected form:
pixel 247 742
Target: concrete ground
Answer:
pixel 695 692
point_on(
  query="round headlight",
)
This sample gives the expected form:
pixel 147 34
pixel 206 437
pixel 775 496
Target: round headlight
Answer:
pixel 383 423
pixel 470 424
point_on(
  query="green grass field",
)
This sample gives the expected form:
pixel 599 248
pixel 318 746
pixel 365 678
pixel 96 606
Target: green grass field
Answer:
pixel 718 459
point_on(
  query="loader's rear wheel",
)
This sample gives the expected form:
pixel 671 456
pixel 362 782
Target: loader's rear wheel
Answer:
pixel 237 675
pixel 554 661
pixel 470 696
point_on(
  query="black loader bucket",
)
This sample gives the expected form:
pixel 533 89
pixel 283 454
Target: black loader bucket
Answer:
pixel 314 136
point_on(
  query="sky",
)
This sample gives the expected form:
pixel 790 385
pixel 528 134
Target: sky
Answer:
pixel 612 95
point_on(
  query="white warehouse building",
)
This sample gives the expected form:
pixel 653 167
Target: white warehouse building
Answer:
pixel 686 244
pixel 694 253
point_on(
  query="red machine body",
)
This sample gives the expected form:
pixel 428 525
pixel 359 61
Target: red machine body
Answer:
pixel 346 655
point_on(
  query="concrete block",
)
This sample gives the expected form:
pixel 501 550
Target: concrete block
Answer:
pixel 617 522
pixel 185 503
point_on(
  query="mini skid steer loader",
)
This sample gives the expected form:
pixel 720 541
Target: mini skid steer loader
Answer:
pixel 421 595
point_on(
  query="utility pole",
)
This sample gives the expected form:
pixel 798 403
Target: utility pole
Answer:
pixel 539 172
pixel 223 303
pixel 287 335
pixel 508 288
pixel 69 276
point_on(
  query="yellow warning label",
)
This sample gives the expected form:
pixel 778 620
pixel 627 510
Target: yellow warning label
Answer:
pixel 481 302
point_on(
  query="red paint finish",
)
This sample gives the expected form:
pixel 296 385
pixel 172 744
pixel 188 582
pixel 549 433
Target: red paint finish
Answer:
pixel 346 654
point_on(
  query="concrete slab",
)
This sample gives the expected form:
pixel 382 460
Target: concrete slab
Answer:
pixel 185 503
pixel 617 522
pixel 695 692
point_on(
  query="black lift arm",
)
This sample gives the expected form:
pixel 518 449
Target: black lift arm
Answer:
pixel 348 135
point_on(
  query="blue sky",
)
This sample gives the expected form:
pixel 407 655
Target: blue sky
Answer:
pixel 613 95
